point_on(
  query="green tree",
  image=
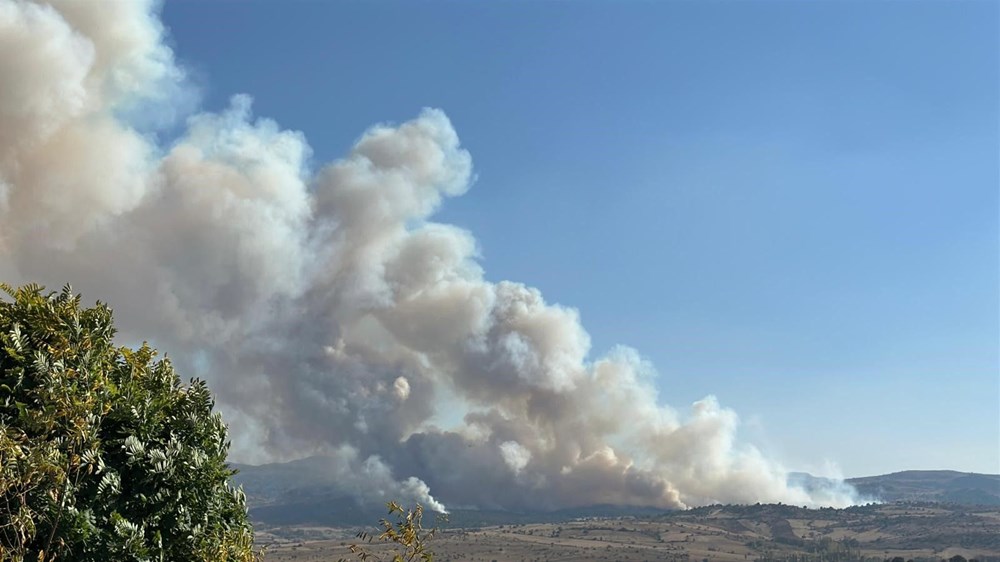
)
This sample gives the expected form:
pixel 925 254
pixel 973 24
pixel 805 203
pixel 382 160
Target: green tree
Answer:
pixel 104 453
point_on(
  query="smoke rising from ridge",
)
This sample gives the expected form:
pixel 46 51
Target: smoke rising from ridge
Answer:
pixel 330 314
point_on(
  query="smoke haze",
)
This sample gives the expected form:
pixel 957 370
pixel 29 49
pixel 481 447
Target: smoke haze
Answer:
pixel 326 309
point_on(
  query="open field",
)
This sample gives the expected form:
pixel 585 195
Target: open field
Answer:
pixel 721 533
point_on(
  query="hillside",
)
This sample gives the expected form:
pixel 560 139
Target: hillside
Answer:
pixel 931 515
pixel 302 492
pixel 946 486
pixel 926 532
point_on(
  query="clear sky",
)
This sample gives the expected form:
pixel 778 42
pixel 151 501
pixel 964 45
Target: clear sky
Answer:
pixel 790 205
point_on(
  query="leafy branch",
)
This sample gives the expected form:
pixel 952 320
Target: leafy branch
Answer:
pixel 406 534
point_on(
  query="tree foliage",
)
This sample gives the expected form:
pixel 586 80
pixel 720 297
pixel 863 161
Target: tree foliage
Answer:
pixel 104 453
pixel 407 536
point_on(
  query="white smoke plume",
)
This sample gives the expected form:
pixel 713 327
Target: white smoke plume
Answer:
pixel 327 310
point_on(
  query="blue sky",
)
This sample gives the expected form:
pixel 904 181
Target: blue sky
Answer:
pixel 790 205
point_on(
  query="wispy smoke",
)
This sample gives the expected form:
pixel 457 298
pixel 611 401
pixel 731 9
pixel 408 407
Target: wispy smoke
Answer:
pixel 326 309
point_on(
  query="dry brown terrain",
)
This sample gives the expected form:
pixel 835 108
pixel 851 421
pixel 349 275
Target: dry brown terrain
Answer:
pixel 726 534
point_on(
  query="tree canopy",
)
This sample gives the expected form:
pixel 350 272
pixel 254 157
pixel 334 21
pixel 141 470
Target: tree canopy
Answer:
pixel 104 453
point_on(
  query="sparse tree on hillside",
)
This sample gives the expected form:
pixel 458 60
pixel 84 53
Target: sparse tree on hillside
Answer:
pixel 104 453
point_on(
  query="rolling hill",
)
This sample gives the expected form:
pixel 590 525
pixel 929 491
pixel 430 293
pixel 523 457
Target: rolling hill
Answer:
pixel 303 492
pixel 945 486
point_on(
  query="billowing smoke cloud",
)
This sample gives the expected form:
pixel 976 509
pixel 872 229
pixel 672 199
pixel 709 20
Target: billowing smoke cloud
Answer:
pixel 326 309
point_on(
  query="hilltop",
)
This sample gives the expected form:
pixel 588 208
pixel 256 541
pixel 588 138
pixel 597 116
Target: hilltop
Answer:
pixel 947 486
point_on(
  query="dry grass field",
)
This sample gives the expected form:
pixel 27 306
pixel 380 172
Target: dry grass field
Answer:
pixel 924 532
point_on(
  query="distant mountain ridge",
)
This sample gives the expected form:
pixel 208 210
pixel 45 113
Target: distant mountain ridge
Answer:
pixel 304 492
pixel 945 486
